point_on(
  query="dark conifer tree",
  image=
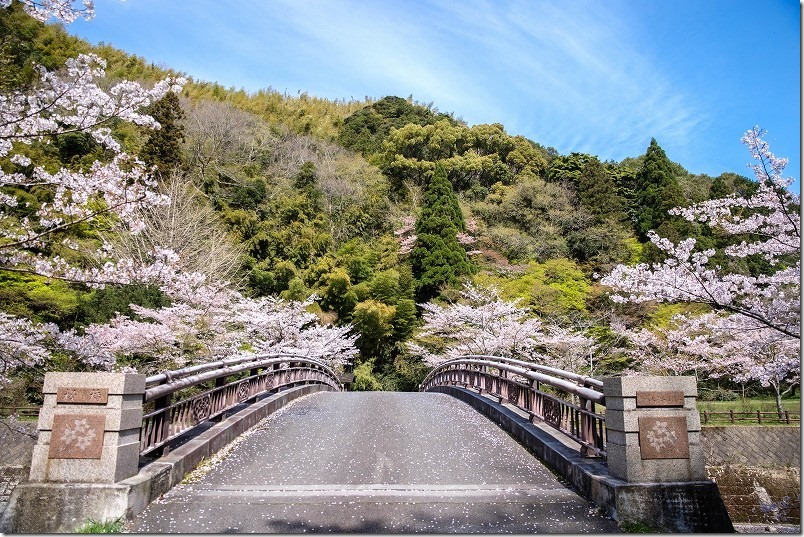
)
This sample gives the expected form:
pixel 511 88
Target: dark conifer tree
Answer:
pixel 718 188
pixel 657 191
pixel 163 147
pixel 597 193
pixel 438 258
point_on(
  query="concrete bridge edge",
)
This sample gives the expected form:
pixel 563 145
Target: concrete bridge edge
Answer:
pixel 64 507
pixel 694 507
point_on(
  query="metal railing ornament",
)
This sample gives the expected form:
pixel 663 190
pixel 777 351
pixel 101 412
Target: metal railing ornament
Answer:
pixel 568 405
pixel 237 380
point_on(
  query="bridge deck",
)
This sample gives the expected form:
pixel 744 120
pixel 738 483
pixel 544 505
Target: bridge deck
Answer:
pixel 374 462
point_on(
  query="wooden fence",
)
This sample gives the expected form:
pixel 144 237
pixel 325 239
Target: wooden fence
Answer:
pixel 758 417
pixel 20 411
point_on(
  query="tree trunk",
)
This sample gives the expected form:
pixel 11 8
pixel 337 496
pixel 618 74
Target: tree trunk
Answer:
pixel 779 409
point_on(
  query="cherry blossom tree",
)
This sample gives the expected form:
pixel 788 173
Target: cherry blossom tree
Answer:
pixel 207 318
pixel 274 325
pixel 63 103
pixel 406 235
pixel 485 324
pixel 74 99
pixel 210 326
pixel 663 351
pixel 770 218
pixel 23 342
pixel 65 11
pixel 482 323
pixel 754 330
pixel 716 345
pixel 569 348
pixel 731 351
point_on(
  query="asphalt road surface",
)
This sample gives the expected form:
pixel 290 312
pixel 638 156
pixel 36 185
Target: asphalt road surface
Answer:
pixel 373 462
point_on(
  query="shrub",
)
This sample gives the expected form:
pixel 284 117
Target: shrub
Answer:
pixel 718 394
pixel 365 381
pixel 110 526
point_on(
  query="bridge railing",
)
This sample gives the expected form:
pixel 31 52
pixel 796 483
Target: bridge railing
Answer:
pixel 179 400
pixel 564 400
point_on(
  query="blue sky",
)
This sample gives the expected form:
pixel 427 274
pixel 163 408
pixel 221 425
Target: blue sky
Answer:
pixel 600 77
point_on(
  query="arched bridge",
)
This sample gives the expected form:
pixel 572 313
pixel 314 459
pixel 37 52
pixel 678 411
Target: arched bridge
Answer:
pixel 376 462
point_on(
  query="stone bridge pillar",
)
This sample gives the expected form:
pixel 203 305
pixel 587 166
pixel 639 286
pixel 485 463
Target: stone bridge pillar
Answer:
pixel 88 442
pixel 89 428
pixel 653 445
pixel 653 429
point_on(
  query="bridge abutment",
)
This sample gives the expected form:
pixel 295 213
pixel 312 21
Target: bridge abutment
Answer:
pixel 666 495
pixel 654 452
pixel 86 464
pixel 88 441
pixel 89 428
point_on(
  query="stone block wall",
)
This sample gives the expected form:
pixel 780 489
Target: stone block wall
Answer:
pixel 17 440
pixel 16 444
pixel 10 477
pixel 752 445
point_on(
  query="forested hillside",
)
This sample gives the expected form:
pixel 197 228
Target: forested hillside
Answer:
pixel 374 219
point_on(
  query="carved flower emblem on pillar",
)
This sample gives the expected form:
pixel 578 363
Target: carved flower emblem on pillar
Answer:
pixel 663 437
pixel 660 436
pixel 81 433
pixel 77 436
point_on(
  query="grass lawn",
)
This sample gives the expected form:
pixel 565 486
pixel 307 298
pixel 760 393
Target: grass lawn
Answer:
pixel 750 404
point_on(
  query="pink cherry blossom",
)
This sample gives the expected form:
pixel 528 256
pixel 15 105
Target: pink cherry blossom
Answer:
pixel 62 10
pixel 753 332
pixel 770 216
pixel 485 324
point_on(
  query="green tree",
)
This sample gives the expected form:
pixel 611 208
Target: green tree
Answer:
pixel 385 287
pixel 718 188
pixel 473 158
pixel 556 289
pixel 284 272
pixel 366 129
pixel 438 258
pixel 296 291
pixel 657 190
pixel 373 321
pixel 365 381
pixel 624 177
pixel 404 319
pixel 566 170
pixel 305 179
pixel 338 294
pixel 597 192
pixel 163 148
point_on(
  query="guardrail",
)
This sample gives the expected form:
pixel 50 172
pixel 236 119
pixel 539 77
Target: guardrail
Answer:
pixel 713 418
pixel 564 400
pixel 236 381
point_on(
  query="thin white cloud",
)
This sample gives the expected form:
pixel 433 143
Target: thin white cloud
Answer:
pixel 583 75
pixel 547 70
pixel 575 65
